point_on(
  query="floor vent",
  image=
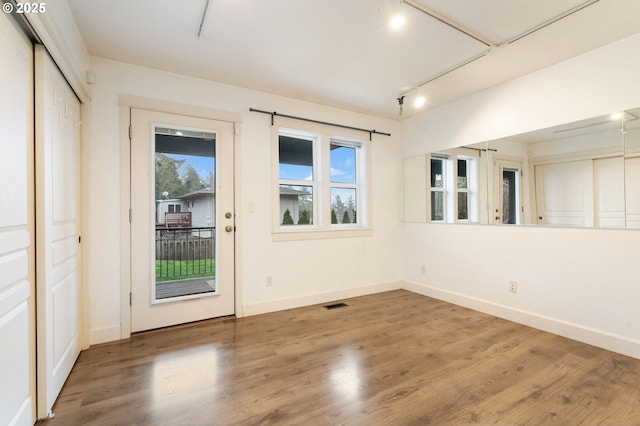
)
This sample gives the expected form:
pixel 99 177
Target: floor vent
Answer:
pixel 335 305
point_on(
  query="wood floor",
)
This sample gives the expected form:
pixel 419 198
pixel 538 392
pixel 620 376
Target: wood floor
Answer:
pixel 396 358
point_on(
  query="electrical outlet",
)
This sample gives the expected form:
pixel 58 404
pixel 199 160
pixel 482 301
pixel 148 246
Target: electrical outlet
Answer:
pixel 513 286
pixel 269 281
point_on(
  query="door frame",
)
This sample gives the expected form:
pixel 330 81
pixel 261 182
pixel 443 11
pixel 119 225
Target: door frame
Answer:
pixel 499 164
pixel 126 103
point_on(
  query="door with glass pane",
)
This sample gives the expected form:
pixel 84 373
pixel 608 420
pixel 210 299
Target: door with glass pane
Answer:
pixel 182 221
pixel 507 197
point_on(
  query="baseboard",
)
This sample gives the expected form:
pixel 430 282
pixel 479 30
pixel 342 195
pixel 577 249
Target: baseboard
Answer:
pixel 313 299
pixel 595 337
pixel 105 334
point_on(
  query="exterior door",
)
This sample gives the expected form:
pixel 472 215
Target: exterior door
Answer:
pixel 17 314
pixel 507 193
pixel 182 219
pixel 58 224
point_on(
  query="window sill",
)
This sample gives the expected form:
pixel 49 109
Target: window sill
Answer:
pixel 321 235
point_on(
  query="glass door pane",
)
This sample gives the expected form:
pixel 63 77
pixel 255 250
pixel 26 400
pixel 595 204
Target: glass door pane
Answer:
pixel 185 258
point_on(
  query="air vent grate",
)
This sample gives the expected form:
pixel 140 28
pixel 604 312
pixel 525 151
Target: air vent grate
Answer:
pixel 335 306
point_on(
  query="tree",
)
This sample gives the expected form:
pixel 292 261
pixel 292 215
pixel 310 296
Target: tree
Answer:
pixel 287 219
pixel 208 182
pixel 167 178
pixel 304 218
pixel 334 218
pixel 345 217
pixel 338 206
pixel 190 180
pixel 355 216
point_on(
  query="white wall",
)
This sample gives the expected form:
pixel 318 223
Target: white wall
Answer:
pixel 581 283
pixel 302 271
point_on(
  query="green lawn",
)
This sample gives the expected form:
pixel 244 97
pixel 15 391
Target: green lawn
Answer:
pixel 171 270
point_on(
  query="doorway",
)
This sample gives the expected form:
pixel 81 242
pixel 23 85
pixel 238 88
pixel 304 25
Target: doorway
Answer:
pixel 182 219
pixel 507 192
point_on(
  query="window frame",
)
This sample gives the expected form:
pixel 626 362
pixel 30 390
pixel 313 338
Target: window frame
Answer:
pixel 450 188
pixel 322 227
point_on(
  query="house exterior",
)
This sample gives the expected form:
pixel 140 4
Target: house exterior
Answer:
pixel 200 204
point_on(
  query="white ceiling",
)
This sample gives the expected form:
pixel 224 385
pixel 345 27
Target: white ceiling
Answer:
pixel 343 52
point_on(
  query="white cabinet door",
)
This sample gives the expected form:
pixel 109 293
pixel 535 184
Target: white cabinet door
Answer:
pixel 564 193
pixel 632 196
pixel 17 315
pixel 58 229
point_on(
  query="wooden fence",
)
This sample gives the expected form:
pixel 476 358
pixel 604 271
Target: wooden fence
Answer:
pixel 185 243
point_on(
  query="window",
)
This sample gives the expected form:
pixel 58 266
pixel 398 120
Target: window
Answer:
pixel 463 189
pixel 344 182
pixel 320 182
pixel 437 189
pixel 453 188
pixel 296 164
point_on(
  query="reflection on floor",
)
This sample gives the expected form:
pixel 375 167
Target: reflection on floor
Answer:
pixel 394 358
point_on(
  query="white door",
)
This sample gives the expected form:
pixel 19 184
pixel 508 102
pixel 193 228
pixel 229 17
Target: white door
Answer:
pixel 564 193
pixel 507 199
pixel 609 192
pixel 17 314
pixel 632 191
pixel 182 219
pixel 58 215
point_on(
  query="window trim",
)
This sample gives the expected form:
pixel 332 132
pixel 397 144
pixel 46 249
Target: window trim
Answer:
pixel 450 188
pixel 322 227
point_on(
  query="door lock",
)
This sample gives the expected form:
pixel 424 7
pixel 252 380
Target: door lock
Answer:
pixel 228 215
pixel 228 228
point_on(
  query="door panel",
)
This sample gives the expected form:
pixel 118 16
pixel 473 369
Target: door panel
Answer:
pixel 58 222
pixel 17 312
pixel 632 194
pixel 182 264
pixel 564 193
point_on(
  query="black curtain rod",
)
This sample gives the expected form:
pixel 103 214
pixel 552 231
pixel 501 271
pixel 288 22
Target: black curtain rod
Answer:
pixel 326 123
pixel 480 150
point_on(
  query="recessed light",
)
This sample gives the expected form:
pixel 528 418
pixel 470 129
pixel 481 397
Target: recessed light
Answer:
pixel 616 116
pixel 419 101
pixel 397 21
pixel 178 133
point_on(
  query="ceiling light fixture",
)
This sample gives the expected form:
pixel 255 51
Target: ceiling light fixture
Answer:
pixel 616 116
pixel 398 19
pixel 419 100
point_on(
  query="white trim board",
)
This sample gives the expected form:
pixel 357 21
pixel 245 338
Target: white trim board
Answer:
pixel 591 336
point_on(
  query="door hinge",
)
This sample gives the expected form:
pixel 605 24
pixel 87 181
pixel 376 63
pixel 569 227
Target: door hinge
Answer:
pixel 130 298
pixel 79 239
pixel 130 215
pixel 130 132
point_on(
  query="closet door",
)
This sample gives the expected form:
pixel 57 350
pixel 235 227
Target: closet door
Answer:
pixel 17 315
pixel 58 229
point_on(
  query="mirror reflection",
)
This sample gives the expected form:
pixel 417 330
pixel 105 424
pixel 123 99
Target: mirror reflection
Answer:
pixel 580 174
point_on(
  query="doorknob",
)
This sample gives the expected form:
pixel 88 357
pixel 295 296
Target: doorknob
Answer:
pixel 228 228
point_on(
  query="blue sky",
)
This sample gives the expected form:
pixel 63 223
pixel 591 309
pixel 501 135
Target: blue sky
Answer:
pixel 202 165
pixel 343 167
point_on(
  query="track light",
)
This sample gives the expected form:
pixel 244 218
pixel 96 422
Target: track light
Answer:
pixel 398 19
